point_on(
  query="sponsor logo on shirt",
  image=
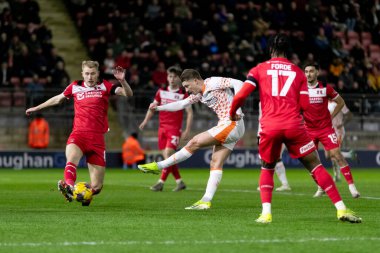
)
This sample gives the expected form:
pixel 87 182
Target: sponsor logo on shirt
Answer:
pixel 307 147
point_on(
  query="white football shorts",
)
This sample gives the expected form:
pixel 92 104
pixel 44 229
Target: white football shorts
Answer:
pixel 228 132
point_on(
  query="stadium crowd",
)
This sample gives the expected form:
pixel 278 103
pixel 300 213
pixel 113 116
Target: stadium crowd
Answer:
pixel 218 38
pixel 29 61
pixel 226 38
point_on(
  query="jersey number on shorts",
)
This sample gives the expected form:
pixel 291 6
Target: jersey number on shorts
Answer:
pixel 175 140
pixel 333 138
pixel 275 74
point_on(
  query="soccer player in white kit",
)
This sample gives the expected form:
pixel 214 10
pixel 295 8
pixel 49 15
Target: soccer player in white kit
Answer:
pixel 217 94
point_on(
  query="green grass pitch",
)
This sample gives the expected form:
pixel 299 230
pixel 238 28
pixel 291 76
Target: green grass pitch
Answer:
pixel 128 217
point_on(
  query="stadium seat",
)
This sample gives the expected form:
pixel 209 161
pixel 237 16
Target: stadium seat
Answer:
pixel 5 99
pixel 374 53
pixel 366 39
pixel 15 81
pixel 353 38
pixel 19 99
pixel 92 42
pixel 27 80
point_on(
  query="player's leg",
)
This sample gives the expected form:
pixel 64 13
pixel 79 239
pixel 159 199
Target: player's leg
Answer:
pixel 300 146
pixel 219 155
pixel 199 141
pixel 97 173
pixel 163 142
pixel 73 156
pixel 281 173
pixel 270 148
pixel 346 171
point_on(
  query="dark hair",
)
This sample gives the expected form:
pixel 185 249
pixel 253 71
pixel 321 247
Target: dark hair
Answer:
pixel 134 135
pixel 315 65
pixel 188 74
pixel 175 70
pixel 279 44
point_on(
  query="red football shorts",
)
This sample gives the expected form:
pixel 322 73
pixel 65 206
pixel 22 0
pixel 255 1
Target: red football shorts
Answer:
pixel 297 141
pixel 92 145
pixel 326 136
pixel 168 138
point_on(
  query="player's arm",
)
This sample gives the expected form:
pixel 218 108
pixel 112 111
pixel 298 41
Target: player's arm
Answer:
pixel 347 115
pixel 56 100
pixel 236 85
pixel 339 105
pixel 176 106
pixel 189 122
pixel 149 115
pixel 119 74
pixel 304 100
pixel 239 98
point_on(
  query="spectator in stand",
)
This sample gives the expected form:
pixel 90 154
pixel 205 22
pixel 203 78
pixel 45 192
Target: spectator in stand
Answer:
pixel 159 75
pixel 38 132
pixel 59 76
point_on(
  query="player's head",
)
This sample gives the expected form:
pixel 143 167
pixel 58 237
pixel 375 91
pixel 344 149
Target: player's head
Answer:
pixel 174 72
pixel 279 45
pixel 192 81
pixel 90 72
pixel 312 72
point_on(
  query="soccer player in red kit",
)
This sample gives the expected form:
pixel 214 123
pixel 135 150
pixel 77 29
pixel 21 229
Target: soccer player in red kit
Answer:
pixel 91 97
pixel 283 93
pixel 318 122
pixel 169 131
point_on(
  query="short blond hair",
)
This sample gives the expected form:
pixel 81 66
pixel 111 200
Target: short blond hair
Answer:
pixel 90 64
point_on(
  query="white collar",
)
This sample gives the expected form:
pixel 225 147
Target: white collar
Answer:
pixel 312 86
pixel 172 90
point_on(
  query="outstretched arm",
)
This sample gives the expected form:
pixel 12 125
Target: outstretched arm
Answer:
pixel 119 74
pixel 175 106
pixel 149 115
pixel 50 102
pixel 189 122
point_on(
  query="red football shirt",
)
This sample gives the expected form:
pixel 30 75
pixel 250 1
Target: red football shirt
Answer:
pixel 170 120
pixel 317 116
pixel 280 84
pixel 90 105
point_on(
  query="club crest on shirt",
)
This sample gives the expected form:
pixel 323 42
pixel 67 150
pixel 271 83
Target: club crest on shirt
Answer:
pixel 80 95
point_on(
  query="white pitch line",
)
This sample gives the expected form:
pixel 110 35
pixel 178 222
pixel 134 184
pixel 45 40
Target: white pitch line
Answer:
pixel 255 191
pixel 187 242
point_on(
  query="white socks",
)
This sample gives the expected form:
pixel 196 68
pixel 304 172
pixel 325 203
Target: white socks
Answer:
pixel 266 208
pixel 212 184
pixel 281 174
pixel 340 205
pixel 177 157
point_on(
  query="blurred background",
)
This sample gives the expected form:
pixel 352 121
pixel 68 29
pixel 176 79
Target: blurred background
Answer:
pixel 43 42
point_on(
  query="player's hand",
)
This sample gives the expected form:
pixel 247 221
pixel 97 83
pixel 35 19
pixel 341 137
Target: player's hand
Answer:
pixel 185 136
pixel 119 73
pixel 235 118
pixel 30 110
pixel 153 106
pixel 142 125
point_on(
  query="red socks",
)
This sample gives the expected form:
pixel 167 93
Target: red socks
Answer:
pixel 175 172
pixel 70 173
pixel 346 171
pixel 266 185
pixel 165 173
pixel 324 180
pixel 171 169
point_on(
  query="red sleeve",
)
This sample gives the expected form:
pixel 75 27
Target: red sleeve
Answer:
pixel 304 100
pixel 157 97
pixel 331 93
pixel 240 97
pixel 68 92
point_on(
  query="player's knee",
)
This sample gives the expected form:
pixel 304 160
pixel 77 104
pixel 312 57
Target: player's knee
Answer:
pixel 193 144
